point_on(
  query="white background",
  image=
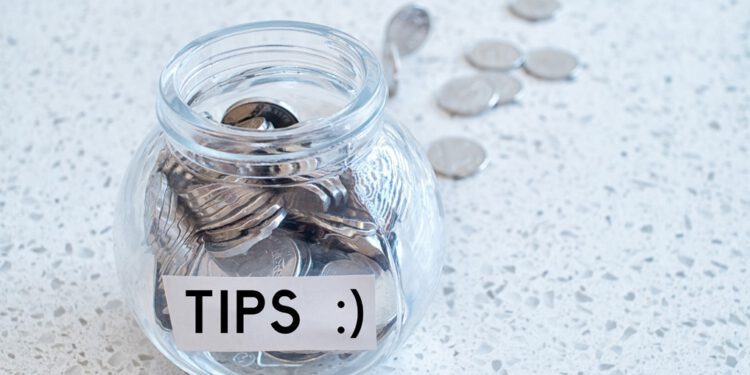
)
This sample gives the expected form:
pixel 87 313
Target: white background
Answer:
pixel 610 232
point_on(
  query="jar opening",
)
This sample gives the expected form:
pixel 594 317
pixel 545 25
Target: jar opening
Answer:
pixel 328 79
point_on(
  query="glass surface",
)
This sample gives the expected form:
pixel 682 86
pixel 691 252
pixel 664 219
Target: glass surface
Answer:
pixel 344 191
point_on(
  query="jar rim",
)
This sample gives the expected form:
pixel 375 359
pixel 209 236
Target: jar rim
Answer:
pixel 184 125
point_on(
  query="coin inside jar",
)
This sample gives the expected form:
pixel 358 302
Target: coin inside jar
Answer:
pixel 457 157
pixel 495 55
pixel 535 10
pixel 261 114
pixel 277 255
pixel 467 96
pixel 551 64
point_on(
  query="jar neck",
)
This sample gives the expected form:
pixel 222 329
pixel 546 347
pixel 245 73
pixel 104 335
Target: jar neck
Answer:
pixel 330 80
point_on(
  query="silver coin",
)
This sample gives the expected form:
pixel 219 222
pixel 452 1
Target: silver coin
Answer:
pixel 467 96
pixel 457 157
pixel 408 28
pixel 277 255
pixel 535 10
pixel 507 87
pixel 495 55
pixel 551 64
pixel 391 67
pixel 239 237
pixel 245 113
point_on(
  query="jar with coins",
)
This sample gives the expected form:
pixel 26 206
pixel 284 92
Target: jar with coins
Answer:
pixel 274 158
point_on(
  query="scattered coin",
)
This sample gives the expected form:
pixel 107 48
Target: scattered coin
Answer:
pixel 247 112
pixel 506 86
pixel 495 55
pixel 535 10
pixel 551 63
pixel 391 67
pixel 467 96
pixel 457 157
pixel 408 29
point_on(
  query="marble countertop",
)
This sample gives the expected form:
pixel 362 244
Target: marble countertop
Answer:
pixel 610 233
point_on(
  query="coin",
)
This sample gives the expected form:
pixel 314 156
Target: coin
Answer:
pixel 277 255
pixel 391 67
pixel 507 87
pixel 457 157
pixel 495 55
pixel 535 10
pixel 245 114
pixel 239 237
pixel 290 357
pixel 467 96
pixel 551 64
pixel 408 28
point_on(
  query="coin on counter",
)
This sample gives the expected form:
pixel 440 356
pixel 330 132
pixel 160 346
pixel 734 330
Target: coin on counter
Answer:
pixel 457 157
pixel 551 64
pixel 250 113
pixel 534 10
pixel 391 67
pixel 506 86
pixel 467 96
pixel 408 29
pixel 495 55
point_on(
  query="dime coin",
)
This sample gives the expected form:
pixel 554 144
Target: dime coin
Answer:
pixel 246 112
pixel 506 86
pixel 408 28
pixel 467 96
pixel 457 157
pixel 535 10
pixel 551 64
pixel 495 55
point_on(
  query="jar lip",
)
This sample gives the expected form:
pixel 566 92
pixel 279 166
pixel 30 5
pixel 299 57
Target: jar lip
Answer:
pixel 369 97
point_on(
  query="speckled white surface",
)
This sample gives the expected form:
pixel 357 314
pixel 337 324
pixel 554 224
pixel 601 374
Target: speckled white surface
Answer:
pixel 611 232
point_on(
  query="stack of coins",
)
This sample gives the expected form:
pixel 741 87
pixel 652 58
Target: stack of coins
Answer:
pixel 204 223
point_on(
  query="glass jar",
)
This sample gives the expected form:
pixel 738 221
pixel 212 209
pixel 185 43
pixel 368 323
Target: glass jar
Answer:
pixel 324 183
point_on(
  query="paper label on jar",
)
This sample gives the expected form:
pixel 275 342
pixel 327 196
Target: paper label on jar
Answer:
pixel 237 314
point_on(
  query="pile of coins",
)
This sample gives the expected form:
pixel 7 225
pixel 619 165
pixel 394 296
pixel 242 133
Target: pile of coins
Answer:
pixel 206 223
pixel 471 95
pixel 475 94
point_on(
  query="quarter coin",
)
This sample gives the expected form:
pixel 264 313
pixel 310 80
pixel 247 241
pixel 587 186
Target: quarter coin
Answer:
pixel 457 157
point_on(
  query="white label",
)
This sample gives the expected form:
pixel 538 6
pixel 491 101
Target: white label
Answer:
pixel 235 314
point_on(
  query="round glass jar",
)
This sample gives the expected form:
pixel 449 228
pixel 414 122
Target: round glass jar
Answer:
pixel 344 190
